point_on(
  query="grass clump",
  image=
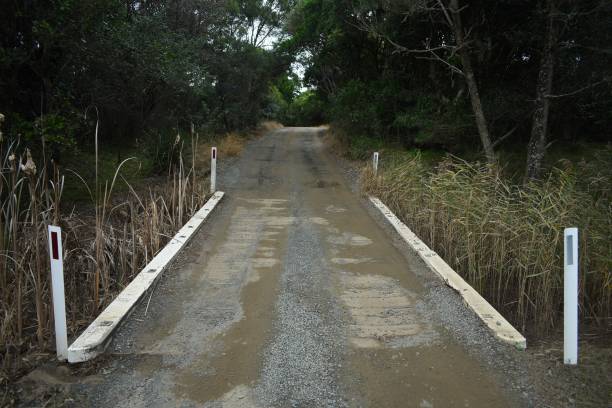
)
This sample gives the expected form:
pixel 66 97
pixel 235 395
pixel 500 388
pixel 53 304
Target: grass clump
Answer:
pixel 231 145
pixel 506 240
pixel 268 126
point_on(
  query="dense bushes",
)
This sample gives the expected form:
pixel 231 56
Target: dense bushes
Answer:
pixel 307 109
pixel 135 68
pixel 425 73
pixel 384 109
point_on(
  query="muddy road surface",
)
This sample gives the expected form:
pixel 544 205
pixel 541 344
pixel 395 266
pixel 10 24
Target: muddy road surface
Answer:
pixel 295 295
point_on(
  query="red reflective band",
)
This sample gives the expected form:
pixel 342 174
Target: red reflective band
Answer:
pixel 54 245
pixel 214 153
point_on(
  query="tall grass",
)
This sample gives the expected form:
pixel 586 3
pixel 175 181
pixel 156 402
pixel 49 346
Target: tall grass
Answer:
pixel 231 145
pixel 507 240
pixel 105 245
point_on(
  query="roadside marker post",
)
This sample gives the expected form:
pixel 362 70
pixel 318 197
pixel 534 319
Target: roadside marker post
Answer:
pixel 57 283
pixel 213 170
pixel 375 163
pixel 570 296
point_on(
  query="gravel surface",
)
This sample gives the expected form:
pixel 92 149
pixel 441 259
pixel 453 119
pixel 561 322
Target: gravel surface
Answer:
pixel 301 364
pixel 446 307
pixel 297 293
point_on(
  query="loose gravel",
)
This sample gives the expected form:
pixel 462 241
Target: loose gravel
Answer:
pixel 301 364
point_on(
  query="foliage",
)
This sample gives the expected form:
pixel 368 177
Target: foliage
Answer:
pixel 58 131
pixel 135 67
pixel 306 110
pixel 387 69
pixel 282 95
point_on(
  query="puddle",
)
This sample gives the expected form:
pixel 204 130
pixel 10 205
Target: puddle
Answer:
pixel 334 209
pixel 275 204
pixel 243 270
pixel 264 262
pixel 399 359
pixel 350 261
pixel 346 238
pixel 318 220
pixel 239 397
pixel 437 376
pixel 279 221
pixel 383 313
pixel 323 184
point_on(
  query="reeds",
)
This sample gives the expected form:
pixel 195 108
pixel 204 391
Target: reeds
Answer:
pixel 507 240
pixel 103 249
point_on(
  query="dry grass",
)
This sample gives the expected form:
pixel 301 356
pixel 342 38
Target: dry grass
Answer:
pixel 103 249
pixel 507 240
pixel 336 140
pixel 231 145
pixel 268 126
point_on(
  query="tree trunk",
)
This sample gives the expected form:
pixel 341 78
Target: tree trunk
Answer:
pixel 481 120
pixel 536 148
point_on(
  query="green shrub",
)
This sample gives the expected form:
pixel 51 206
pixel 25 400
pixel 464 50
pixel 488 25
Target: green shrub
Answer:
pixel 307 109
pixel 59 131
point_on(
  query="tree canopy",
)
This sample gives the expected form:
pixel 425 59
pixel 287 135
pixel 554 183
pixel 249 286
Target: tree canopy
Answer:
pixel 447 74
pixel 441 73
pixel 140 65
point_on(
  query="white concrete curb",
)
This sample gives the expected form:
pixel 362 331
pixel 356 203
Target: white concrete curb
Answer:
pixel 96 337
pixel 487 313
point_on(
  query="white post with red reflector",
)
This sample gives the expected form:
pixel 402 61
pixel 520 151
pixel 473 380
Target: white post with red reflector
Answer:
pixel 57 283
pixel 213 170
pixel 375 163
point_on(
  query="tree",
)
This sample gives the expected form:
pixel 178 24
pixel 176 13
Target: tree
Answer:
pixel 422 70
pixel 536 147
pixel 462 46
pixel 442 48
pixel 144 65
pixel 582 26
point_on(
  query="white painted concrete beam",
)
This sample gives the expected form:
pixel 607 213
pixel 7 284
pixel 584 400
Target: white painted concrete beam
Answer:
pixel 96 337
pixel 500 327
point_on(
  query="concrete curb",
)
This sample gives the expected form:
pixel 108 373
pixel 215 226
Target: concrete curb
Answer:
pixel 95 338
pixel 500 327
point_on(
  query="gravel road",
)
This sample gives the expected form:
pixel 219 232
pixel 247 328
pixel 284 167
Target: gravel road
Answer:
pixel 297 294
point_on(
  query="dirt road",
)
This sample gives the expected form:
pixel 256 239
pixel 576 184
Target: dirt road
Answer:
pixel 295 295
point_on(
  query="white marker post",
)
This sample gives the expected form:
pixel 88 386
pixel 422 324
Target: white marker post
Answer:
pixel 57 283
pixel 375 163
pixel 570 297
pixel 213 170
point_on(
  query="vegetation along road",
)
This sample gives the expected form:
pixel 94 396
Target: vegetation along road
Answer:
pixel 294 295
pixel 492 120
